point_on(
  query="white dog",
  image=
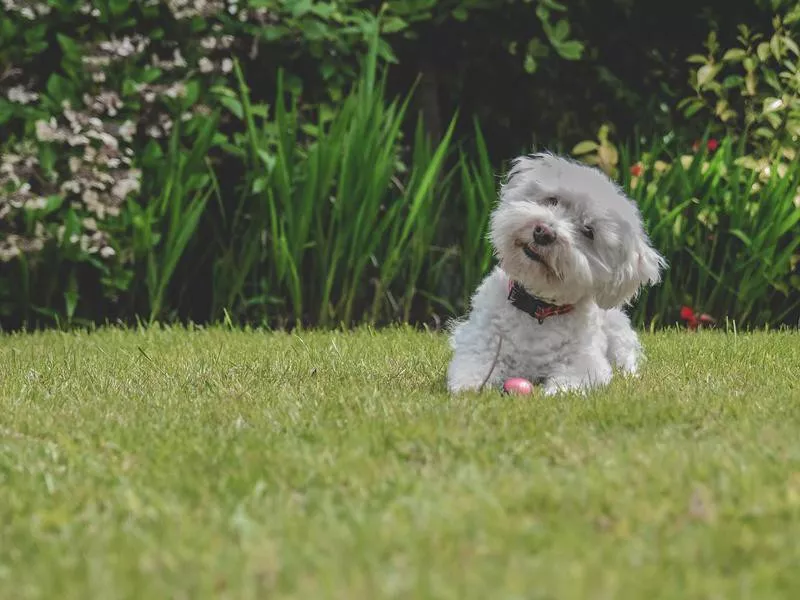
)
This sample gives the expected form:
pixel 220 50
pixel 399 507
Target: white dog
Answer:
pixel 572 249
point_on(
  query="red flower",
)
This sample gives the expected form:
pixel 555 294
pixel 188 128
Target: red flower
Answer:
pixel 693 320
pixel 637 170
pixel 711 145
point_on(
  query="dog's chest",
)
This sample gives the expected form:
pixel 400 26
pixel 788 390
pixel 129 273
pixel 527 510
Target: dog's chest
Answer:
pixel 534 348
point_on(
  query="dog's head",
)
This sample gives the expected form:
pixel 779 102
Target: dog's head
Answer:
pixel 566 232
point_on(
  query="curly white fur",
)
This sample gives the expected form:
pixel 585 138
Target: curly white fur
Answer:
pixel 596 260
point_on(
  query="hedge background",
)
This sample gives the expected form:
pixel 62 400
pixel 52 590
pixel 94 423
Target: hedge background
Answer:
pixel 152 151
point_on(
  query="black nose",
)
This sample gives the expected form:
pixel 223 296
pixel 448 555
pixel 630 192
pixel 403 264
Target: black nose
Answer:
pixel 543 235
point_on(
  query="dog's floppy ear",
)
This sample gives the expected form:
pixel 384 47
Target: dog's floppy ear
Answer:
pixel 643 267
pixel 529 168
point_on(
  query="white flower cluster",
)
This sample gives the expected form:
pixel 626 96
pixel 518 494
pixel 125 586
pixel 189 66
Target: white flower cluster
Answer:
pixel 187 9
pixel 12 245
pixel 102 176
pixel 95 171
pixel 27 10
pixel 98 57
pixel 91 240
pixel 16 168
pixel 20 95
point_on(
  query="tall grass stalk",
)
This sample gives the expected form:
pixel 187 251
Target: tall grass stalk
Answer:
pixel 329 226
pixel 478 195
pixel 166 224
pixel 411 239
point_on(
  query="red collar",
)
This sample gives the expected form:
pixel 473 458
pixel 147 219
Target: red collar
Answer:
pixel 536 307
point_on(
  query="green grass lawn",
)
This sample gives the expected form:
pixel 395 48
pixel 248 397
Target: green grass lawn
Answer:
pixel 199 464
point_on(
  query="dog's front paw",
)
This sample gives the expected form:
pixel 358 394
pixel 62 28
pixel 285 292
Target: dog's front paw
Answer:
pixel 562 385
pixel 629 366
pixel 580 384
pixel 460 386
pixel 630 369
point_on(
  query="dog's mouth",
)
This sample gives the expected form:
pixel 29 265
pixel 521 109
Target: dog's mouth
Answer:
pixel 531 253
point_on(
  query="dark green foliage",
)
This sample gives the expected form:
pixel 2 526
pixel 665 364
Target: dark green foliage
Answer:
pixel 193 161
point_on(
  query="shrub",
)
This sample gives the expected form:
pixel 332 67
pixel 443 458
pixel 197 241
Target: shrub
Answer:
pixel 752 90
pixel 143 175
pixel 726 214
pixel 729 233
pixel 92 97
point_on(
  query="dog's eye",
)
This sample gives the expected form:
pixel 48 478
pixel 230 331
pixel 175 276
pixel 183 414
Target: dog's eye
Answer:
pixel 551 201
pixel 588 232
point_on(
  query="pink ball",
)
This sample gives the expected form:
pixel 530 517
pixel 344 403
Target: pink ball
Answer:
pixel 518 385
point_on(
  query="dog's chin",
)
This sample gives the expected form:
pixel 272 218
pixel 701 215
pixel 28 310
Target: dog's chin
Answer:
pixel 533 267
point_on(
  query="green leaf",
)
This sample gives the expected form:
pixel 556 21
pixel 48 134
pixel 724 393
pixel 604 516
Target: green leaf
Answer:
pixel 71 296
pixel 572 50
pixel 771 105
pixel 791 45
pixel 693 108
pixel 553 5
pixel 118 7
pixel 54 202
pixel 323 10
pixel 460 13
pixel 314 30
pixel 223 91
pixel 233 105
pixel 394 24
pixel 273 33
pixel 792 16
pixel 299 7
pixel 385 52
pixel 150 74
pixel 268 159
pixel 561 30
pixel 70 48
pixel 58 88
pixel 742 236
pixel 775 46
pixel 192 94
pixel 734 55
pixel 706 73
pixel 259 185
pixel 7 110
pixel 584 147
pixel 733 81
pixel 764 132
pixel 327 70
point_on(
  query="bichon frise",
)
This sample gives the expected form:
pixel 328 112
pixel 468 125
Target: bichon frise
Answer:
pixel 572 250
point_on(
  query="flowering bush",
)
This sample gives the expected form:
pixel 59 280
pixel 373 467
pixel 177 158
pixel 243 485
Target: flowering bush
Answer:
pixel 727 208
pixel 87 113
pixel 731 233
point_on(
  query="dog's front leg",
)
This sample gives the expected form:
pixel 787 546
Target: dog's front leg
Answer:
pixel 624 348
pixel 580 375
pixel 476 361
